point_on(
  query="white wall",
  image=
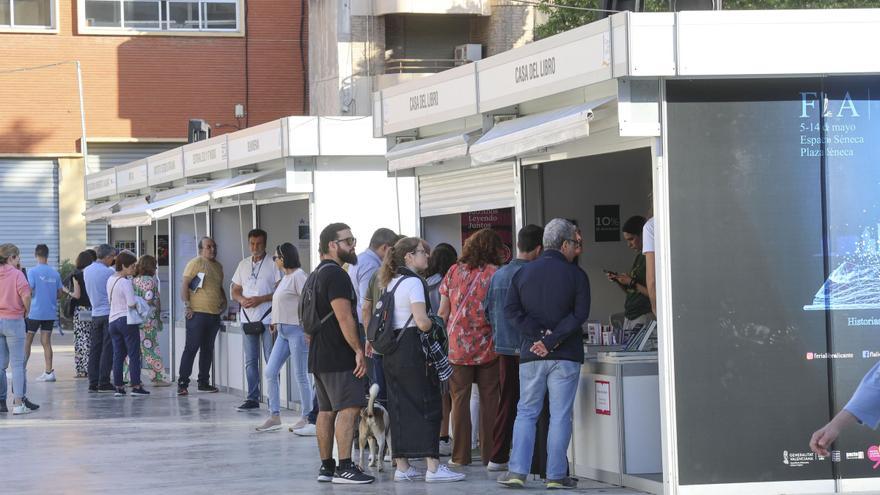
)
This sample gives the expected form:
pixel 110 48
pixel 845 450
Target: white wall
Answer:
pixel 358 192
pixel 281 221
pixel 443 228
pixel 571 189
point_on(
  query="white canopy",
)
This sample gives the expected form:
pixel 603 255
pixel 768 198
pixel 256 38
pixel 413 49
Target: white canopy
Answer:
pixel 529 134
pixel 427 151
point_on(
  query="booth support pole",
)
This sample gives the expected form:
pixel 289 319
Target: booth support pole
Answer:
pixel 172 322
pixel 663 267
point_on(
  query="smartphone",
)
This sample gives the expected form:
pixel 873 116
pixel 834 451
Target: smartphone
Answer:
pixel 609 272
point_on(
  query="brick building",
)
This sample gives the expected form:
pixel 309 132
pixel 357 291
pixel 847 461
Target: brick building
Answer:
pixel 147 67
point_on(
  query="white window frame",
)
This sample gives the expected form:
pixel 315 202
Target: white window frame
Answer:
pixel 13 28
pixel 164 21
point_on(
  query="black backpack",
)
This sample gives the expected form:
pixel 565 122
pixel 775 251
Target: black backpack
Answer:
pixel 381 329
pixel 309 318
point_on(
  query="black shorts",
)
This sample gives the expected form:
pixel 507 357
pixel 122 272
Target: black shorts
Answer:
pixel 45 325
pixel 338 390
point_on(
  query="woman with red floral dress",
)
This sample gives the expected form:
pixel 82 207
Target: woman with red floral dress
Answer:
pixel 471 349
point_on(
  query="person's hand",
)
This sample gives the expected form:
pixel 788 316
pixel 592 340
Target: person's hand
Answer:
pixel 539 349
pixel 308 339
pixel 188 313
pixel 823 438
pixel 360 364
pixel 612 277
pixel 624 279
pixel 368 349
pixel 273 328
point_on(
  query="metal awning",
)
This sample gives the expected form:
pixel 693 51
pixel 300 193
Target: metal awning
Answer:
pixel 429 151
pixel 529 134
pixel 144 214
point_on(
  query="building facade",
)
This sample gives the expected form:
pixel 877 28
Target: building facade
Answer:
pixel 145 69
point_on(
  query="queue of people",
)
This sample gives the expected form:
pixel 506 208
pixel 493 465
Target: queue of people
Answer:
pixel 514 330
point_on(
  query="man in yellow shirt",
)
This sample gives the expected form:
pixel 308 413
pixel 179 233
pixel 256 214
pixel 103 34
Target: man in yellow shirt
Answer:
pixel 204 300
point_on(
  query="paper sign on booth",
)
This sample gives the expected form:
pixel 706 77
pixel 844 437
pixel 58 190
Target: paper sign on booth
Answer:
pixel 603 397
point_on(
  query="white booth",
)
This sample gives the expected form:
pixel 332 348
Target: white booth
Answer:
pixel 743 133
pixel 289 177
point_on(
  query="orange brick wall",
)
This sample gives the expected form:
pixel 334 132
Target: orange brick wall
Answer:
pixel 147 86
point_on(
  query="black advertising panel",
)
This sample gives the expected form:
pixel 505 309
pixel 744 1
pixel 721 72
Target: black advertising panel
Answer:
pixel 848 139
pixel 607 223
pixel 748 252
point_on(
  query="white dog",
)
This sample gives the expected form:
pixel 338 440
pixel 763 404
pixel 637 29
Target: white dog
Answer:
pixel 373 428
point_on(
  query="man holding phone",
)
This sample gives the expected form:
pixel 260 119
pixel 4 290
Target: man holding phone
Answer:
pixel 637 308
pixel 204 300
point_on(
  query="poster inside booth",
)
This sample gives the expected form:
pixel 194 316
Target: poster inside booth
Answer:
pixel 499 220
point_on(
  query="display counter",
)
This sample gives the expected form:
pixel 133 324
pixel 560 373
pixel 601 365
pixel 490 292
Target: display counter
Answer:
pixel 228 371
pixel 616 432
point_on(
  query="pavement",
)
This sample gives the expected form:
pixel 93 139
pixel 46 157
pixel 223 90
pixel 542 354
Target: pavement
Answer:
pixel 80 443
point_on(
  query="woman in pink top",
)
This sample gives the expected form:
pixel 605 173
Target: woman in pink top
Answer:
pixel 471 349
pixel 15 302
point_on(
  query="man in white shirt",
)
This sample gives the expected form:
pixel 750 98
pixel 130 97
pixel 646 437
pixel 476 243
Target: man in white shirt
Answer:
pixel 253 284
pixel 650 267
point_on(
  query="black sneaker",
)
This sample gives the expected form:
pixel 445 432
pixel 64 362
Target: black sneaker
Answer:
pixel 139 392
pixel 249 405
pixel 120 392
pixel 93 389
pixel 351 475
pixel 28 404
pixel 106 388
pixel 182 391
pixel 204 387
pixel 325 475
pixel 3 408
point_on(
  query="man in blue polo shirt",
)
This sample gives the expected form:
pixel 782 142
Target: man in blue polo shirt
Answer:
pixel 46 287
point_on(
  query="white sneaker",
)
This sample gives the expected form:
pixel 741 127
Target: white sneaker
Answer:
pixel 411 474
pixel 47 377
pixel 21 409
pixel 387 458
pixel 443 475
pixel 496 466
pixel 445 448
pixel 306 431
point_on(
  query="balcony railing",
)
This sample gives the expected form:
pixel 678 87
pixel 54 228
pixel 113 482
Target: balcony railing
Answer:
pixel 416 65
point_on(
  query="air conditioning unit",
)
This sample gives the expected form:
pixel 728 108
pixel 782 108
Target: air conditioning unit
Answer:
pixel 470 52
pixel 198 130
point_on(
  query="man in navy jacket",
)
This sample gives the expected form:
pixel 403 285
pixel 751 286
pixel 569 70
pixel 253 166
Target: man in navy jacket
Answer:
pixel 548 302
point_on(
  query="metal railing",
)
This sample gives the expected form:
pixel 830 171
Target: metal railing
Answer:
pixel 414 65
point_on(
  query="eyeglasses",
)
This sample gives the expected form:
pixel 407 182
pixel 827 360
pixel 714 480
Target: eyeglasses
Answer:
pixel 576 242
pixel 351 241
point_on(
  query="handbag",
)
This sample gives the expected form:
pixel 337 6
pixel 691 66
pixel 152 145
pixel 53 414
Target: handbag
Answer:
pixel 83 314
pixel 254 327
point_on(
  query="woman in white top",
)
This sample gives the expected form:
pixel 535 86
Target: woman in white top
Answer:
pixel 126 337
pixel 414 403
pixel 290 338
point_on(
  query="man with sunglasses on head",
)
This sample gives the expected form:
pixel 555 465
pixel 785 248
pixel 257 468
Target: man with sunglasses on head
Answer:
pixel 336 357
pixel 253 284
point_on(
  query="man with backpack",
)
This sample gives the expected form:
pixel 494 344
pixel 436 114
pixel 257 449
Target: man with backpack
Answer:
pixel 336 357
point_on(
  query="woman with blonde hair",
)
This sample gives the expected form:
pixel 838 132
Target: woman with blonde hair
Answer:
pixel 471 348
pixel 412 376
pixel 15 302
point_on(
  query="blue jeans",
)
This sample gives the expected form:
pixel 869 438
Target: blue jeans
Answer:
pixel 12 348
pixel 560 379
pixel 252 360
pixel 126 343
pixel 291 341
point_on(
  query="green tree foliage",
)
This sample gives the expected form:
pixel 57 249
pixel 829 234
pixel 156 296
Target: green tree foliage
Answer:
pixel 562 19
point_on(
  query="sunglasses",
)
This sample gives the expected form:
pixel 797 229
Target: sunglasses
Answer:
pixel 351 241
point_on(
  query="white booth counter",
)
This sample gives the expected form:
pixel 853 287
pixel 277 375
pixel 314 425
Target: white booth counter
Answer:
pixel 616 431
